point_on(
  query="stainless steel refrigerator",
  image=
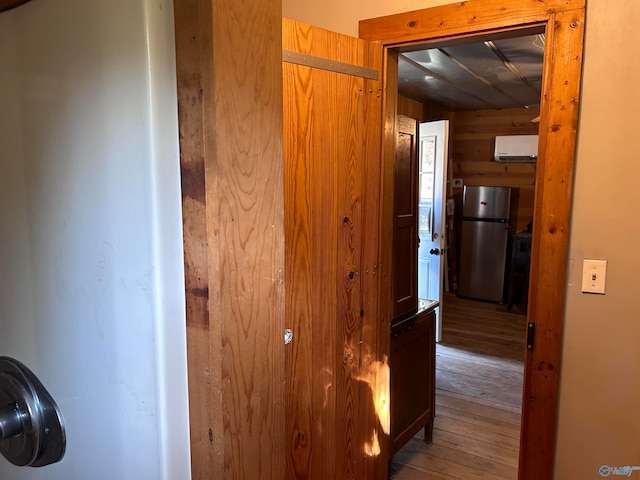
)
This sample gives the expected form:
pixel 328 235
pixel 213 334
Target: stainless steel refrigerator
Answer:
pixel 485 236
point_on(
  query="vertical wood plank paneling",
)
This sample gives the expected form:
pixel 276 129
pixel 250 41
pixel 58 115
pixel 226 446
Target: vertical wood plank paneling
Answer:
pixel 332 157
pixel 549 253
pixel 246 221
pixel 326 330
pixel 193 60
pixel 298 274
pixel 349 243
pixel 231 159
pixel 374 365
pixel 385 246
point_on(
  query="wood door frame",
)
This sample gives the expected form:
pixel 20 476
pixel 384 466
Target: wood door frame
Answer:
pixel 564 24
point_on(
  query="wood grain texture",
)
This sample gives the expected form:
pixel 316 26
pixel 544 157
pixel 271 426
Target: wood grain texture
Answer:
pixel 375 328
pixel 194 56
pixel 245 193
pixel 559 110
pixel 332 165
pixel 413 375
pixel 549 252
pixel 385 228
pixel 405 219
pixel 460 18
pixel 420 111
pixel 230 113
pixel 472 147
pixel 478 386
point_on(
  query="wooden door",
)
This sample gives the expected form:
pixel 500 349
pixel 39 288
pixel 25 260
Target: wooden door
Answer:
pixel 405 219
pixel 336 369
pixel 564 28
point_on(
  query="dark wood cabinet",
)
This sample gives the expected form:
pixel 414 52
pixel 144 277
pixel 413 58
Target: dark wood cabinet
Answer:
pixel 412 355
pixel 412 365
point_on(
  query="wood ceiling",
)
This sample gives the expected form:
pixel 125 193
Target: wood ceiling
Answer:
pixel 493 74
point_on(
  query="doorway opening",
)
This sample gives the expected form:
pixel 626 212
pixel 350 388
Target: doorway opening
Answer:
pixel 477 91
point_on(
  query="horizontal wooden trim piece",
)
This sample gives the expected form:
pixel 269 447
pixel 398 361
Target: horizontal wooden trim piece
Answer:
pixel 313 61
pixel 460 18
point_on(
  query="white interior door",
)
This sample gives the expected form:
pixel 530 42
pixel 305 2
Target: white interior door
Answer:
pixel 432 159
pixel 91 263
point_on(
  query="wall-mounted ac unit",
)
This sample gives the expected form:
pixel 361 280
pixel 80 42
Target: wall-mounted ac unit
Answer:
pixel 516 148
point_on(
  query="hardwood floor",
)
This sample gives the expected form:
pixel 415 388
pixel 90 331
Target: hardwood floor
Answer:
pixel 479 367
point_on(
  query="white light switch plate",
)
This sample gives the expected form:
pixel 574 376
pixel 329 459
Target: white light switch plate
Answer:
pixel 594 274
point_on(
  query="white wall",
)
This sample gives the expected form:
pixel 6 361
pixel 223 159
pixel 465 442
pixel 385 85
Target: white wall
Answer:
pixel 343 16
pixel 91 276
pixel 599 422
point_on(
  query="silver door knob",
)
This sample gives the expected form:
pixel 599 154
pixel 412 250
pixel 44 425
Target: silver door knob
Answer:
pixel 31 428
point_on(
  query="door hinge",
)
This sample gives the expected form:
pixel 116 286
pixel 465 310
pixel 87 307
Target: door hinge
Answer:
pixel 531 334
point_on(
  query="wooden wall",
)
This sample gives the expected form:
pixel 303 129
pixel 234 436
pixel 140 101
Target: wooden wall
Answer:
pixel 471 145
pixel 337 388
pixel 230 115
pixel 420 111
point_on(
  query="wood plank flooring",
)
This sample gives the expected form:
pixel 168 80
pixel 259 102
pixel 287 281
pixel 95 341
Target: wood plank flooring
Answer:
pixel 479 367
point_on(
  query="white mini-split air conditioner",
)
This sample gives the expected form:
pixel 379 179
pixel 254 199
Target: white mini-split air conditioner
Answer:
pixel 516 148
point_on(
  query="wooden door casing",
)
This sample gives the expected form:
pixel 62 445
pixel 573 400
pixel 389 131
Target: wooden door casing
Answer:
pixel 564 23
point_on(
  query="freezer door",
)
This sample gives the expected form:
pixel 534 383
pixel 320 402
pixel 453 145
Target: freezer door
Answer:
pixel 91 248
pixel 486 202
pixel 482 260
